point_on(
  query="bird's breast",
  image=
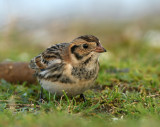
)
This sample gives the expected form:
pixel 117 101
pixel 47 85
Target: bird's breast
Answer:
pixel 70 89
pixel 73 80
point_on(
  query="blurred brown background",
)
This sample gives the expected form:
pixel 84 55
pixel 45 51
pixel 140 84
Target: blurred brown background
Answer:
pixel 27 27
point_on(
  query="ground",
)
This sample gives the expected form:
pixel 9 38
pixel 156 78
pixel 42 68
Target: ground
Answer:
pixel 126 93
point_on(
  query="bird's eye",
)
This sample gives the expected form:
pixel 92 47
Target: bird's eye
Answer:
pixel 85 46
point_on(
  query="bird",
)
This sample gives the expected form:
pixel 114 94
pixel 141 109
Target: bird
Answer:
pixel 68 67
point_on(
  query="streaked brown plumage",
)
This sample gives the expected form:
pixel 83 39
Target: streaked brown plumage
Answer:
pixel 72 67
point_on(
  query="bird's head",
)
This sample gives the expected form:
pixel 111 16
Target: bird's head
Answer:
pixel 84 47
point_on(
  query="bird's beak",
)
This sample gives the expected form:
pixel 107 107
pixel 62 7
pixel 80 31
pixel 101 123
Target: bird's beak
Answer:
pixel 100 49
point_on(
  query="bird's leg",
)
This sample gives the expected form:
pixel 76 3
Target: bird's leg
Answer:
pixel 41 95
pixel 83 97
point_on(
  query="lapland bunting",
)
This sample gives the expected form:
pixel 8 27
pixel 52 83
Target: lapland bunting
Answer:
pixel 70 67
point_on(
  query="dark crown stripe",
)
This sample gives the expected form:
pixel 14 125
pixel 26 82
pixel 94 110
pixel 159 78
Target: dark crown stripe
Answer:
pixel 89 38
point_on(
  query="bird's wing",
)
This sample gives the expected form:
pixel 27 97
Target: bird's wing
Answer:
pixel 48 59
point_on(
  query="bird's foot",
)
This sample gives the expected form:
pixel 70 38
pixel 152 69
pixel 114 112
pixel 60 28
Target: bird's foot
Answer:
pixel 41 100
pixel 83 97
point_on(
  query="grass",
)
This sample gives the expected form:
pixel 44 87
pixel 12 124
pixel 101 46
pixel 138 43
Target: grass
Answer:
pixel 126 93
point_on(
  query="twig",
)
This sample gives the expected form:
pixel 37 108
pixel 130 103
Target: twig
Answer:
pixel 156 95
pixel 23 105
pixel 4 100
